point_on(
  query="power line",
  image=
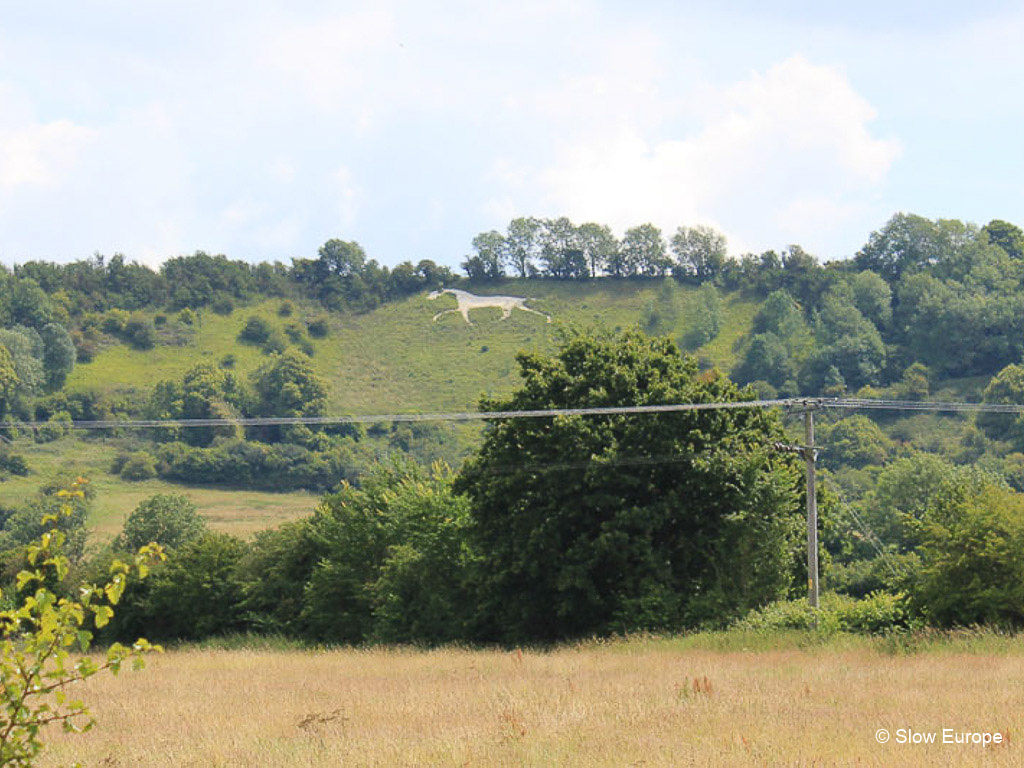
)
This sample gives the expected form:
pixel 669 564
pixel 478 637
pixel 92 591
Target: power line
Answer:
pixel 267 421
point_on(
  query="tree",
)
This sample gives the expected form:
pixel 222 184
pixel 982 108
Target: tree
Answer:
pixel 522 245
pixel 599 246
pixel 287 385
pixel 643 252
pixel 58 354
pixel 393 559
pixel 8 381
pixel 487 263
pixel 1005 388
pixel 700 253
pixel 972 553
pixel 873 297
pixel 590 525
pixel 170 520
pixel 38 633
pixel 1007 236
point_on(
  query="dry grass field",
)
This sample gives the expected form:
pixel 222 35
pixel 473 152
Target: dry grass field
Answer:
pixel 644 702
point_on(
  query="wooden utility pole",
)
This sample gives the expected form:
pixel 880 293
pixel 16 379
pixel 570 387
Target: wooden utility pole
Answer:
pixel 810 458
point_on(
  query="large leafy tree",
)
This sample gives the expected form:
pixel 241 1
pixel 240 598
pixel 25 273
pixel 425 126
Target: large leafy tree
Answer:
pixel 700 253
pixel 597 524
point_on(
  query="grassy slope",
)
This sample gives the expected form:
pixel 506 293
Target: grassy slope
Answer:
pixel 395 359
pixel 226 510
pixel 388 361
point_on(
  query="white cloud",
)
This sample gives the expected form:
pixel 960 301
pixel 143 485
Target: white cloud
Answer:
pixel 781 149
pixel 34 153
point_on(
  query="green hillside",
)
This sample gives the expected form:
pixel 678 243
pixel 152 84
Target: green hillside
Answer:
pixel 389 360
pixel 395 359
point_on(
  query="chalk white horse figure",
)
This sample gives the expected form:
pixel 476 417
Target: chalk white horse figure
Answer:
pixel 468 301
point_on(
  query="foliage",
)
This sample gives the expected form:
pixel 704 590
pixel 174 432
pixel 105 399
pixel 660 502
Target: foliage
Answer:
pixel 700 253
pixel 170 520
pixel 139 466
pixel 616 523
pixel 39 633
pixel 1005 388
pixel 880 612
pixel 972 553
pixel 394 564
pixel 704 318
pixel 855 441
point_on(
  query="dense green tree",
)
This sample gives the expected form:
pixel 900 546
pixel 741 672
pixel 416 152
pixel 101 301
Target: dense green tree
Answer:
pixel 58 354
pixel 614 523
pixel 873 297
pixel 25 347
pixel 171 520
pixel 703 318
pixel 700 253
pixel 8 381
pixel 599 246
pixel 1005 388
pixel 394 561
pixel 1007 236
pixel 855 441
pixel 522 245
pixel 972 553
pixel 487 263
pixel 561 252
pixel 643 252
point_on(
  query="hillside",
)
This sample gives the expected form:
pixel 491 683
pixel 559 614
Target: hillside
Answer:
pixel 394 359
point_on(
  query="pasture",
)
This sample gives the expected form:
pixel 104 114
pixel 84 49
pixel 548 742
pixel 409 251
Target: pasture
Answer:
pixel 722 699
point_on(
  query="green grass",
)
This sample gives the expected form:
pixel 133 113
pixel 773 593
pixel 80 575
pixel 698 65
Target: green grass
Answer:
pixel 241 513
pixel 395 359
pixel 391 360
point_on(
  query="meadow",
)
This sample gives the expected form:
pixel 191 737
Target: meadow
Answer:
pixel 719 699
pixel 238 512
pixel 395 359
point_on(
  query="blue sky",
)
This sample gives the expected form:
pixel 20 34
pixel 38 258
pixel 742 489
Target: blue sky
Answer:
pixel 262 129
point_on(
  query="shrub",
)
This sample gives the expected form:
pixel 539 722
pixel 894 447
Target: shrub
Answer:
pixel 318 328
pixel 139 466
pixel 170 520
pixel 256 330
pixel 223 305
pixel 187 317
pixel 13 463
pixel 58 425
pixel 286 309
pixel 114 322
pixel 38 633
pixel 877 613
pixel 160 320
pixel 140 333
pixel 228 361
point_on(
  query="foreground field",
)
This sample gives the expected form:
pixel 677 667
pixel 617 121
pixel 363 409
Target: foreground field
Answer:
pixel 659 702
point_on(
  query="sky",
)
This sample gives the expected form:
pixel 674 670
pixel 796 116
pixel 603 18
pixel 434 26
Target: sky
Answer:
pixel 262 129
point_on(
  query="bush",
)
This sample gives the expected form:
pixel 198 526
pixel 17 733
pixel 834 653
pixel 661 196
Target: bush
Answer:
pixel 140 332
pixel 318 328
pixel 187 317
pixel 877 613
pixel 170 521
pixel 256 330
pixel 55 428
pixel 286 309
pixel 14 463
pixel 40 632
pixel 114 322
pixel 228 361
pixel 223 305
pixel 139 466
pixel 160 320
